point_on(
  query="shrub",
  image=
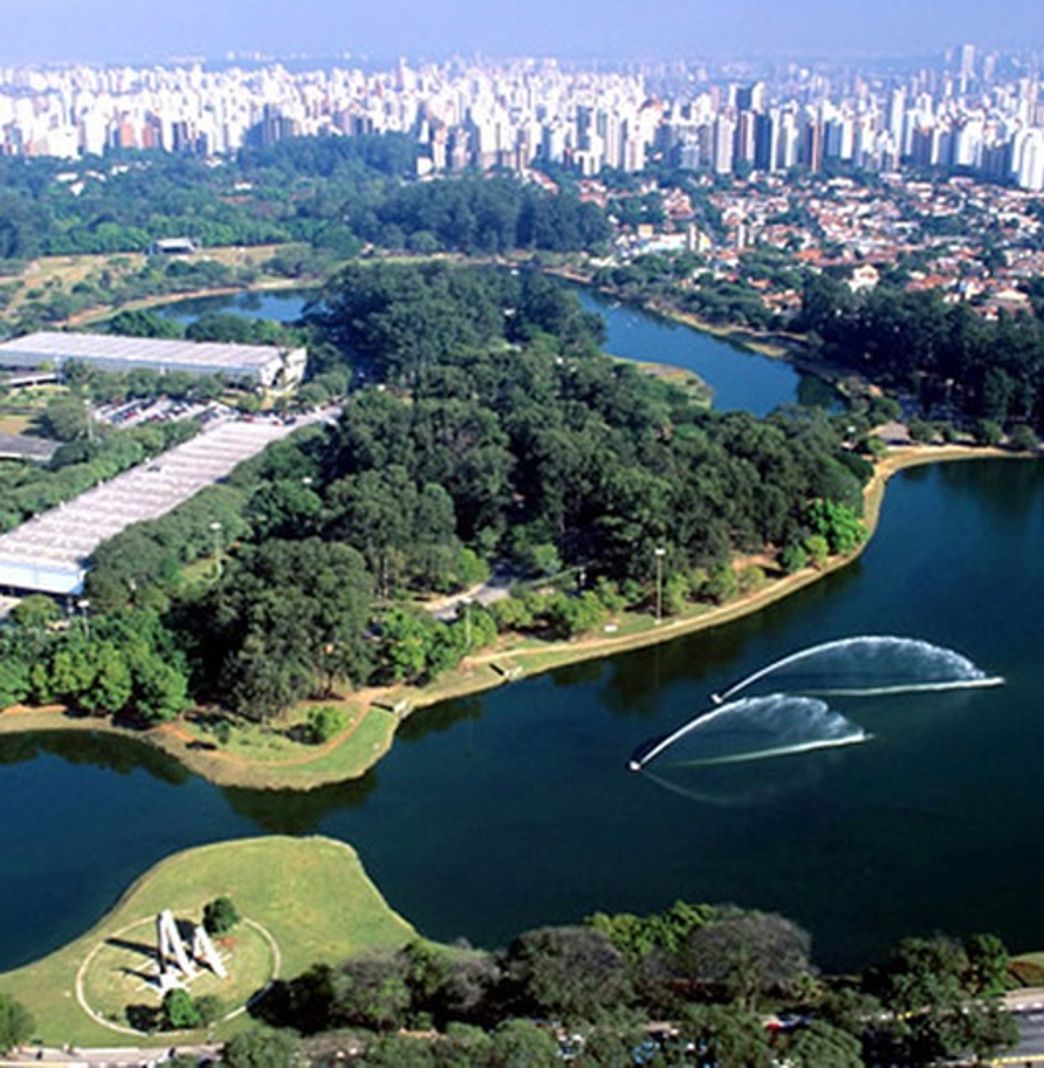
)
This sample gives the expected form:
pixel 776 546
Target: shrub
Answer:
pixel 209 1009
pixel 818 549
pixel 325 721
pixel 793 558
pixel 609 594
pixel 180 1012
pixel 1023 438
pixel 220 916
pixel 987 432
pixel 722 585
pixel 675 594
pixel 921 430
pixel 751 579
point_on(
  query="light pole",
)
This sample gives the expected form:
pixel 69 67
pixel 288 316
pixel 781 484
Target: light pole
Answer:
pixel 660 554
pixel 467 626
pixel 216 529
pixel 83 604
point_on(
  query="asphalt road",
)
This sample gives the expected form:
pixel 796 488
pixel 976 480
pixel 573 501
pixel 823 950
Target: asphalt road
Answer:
pixel 1030 1049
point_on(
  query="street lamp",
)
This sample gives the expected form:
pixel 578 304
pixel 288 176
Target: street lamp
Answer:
pixel 83 604
pixel 216 529
pixel 660 554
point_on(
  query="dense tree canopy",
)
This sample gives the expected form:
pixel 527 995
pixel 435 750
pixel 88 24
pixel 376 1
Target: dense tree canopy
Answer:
pixel 492 433
pixel 568 993
pixel 947 353
pixel 333 193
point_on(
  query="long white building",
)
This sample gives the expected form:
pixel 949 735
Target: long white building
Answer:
pixel 255 365
pixel 49 554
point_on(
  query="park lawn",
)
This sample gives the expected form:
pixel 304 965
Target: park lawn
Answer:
pixel 116 976
pixel 311 894
pixel 259 757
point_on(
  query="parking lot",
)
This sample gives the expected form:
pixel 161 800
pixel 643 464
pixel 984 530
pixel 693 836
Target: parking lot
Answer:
pixel 159 410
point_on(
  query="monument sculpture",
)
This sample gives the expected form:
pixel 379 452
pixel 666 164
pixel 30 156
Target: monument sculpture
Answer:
pixel 177 967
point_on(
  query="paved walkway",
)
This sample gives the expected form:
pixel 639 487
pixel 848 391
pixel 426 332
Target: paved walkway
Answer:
pixel 122 1056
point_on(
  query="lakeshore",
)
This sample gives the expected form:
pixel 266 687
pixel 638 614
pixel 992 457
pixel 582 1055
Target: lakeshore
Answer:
pixel 514 808
pixel 777 345
pixel 375 714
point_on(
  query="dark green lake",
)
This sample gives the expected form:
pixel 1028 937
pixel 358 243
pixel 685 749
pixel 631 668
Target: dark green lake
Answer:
pixel 515 808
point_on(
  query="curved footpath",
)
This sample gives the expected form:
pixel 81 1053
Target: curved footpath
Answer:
pixel 376 713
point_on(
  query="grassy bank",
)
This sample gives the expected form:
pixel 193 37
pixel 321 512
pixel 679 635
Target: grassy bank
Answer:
pixel 307 899
pixel 255 757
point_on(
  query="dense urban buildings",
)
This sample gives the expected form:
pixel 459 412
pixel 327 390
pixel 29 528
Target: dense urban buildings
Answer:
pixel 970 113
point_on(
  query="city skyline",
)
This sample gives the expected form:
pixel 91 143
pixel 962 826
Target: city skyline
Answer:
pixel 54 31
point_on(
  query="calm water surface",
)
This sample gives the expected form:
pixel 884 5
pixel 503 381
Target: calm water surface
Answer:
pixel 741 380
pixel 514 808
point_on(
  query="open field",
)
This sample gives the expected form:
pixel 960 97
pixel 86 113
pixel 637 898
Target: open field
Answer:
pixel 311 895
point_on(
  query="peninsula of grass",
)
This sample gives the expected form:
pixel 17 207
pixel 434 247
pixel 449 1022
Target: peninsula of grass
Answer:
pixel 272 756
pixel 303 900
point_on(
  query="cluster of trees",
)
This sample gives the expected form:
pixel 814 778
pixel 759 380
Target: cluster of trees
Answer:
pixel 29 489
pixel 331 193
pixel 540 440
pixel 125 663
pixel 212 326
pixel 682 280
pixel 66 417
pixel 712 973
pixel 482 215
pixel 116 283
pixel 952 357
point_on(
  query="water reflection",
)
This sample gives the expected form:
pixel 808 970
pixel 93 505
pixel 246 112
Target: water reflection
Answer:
pixel 439 718
pixel 299 811
pixel 99 750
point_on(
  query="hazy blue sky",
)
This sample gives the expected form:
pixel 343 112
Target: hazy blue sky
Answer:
pixel 45 30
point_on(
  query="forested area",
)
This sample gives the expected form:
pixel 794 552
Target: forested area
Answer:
pixel 492 434
pixel 951 357
pixel 331 193
pixel 736 987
